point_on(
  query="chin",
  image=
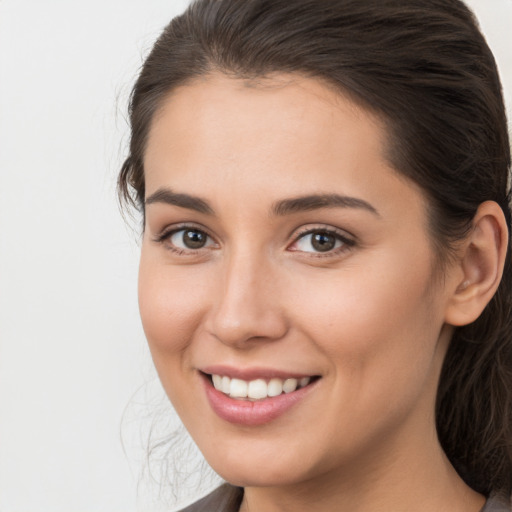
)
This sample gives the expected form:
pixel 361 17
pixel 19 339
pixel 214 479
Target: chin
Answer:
pixel 253 475
pixel 262 465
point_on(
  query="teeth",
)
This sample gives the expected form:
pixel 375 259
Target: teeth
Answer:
pixel 225 386
pixel 217 381
pixel 238 388
pixel 304 381
pixel 259 388
pixel 290 385
pixel 275 387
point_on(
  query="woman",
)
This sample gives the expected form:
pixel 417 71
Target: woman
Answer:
pixel 325 269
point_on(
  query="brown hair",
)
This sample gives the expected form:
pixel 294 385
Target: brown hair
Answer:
pixel 424 67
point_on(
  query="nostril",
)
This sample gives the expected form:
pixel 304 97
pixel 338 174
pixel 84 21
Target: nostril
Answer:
pixel 248 327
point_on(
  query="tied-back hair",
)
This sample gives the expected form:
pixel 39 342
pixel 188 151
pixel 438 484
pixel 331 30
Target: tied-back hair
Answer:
pixel 424 68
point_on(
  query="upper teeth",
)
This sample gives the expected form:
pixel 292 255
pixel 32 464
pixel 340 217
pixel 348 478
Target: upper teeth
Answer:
pixel 257 389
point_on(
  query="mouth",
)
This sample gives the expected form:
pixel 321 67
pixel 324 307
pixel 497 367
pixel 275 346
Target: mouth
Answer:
pixel 258 389
pixel 257 399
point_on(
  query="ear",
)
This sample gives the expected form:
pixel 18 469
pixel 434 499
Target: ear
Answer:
pixel 481 265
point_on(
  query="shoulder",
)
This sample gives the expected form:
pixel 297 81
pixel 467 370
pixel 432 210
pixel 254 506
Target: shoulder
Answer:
pixel 497 503
pixel 225 498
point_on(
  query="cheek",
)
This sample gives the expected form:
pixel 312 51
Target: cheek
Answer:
pixel 170 303
pixel 375 323
pixel 379 334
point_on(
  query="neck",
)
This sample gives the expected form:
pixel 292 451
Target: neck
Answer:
pixel 398 478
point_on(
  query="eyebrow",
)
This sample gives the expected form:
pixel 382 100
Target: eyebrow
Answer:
pixel 167 196
pixel 280 208
pixel 318 201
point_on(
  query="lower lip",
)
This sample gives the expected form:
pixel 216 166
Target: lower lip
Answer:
pixel 248 413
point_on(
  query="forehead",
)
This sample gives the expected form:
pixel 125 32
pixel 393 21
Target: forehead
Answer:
pixel 284 124
pixel 243 148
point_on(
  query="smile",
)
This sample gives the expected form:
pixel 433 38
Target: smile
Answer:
pixel 257 389
pixel 253 398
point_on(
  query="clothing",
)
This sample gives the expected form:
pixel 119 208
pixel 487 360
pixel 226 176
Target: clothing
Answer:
pixel 497 503
pixel 227 498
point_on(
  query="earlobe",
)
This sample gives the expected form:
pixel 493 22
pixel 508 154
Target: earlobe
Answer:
pixel 481 262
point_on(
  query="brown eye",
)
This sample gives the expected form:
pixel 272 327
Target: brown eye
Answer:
pixel 192 239
pixel 323 242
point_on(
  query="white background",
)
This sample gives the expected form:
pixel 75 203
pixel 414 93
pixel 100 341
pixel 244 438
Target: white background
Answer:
pixel 72 351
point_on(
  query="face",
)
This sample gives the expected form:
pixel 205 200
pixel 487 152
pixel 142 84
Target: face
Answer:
pixel 287 285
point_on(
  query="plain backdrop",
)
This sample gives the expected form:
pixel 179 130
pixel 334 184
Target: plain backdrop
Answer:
pixel 74 368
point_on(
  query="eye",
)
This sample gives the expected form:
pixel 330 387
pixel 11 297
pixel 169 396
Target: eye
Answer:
pixel 186 239
pixel 321 241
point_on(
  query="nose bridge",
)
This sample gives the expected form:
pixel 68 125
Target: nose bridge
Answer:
pixel 248 303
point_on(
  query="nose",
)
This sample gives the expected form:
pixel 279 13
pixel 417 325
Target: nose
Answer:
pixel 247 308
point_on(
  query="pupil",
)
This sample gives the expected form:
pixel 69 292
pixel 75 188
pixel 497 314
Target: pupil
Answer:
pixel 323 242
pixel 194 239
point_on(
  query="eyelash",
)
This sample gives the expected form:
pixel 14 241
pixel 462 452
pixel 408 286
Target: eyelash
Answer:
pixel 165 236
pixel 347 243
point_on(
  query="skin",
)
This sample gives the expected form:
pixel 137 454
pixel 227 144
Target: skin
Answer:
pixel 371 317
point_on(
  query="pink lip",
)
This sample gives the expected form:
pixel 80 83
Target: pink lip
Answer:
pixel 247 413
pixel 251 373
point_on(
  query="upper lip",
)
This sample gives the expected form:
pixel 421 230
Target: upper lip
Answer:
pixel 252 373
